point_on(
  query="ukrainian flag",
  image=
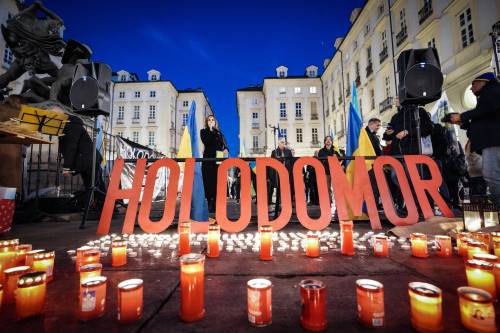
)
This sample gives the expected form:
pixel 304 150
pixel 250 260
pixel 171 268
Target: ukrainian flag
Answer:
pixel 189 148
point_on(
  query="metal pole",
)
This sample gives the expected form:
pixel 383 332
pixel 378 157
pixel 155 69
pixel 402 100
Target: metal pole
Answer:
pixel 92 182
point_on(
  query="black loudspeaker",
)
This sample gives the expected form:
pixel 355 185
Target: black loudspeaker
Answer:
pixel 90 90
pixel 420 77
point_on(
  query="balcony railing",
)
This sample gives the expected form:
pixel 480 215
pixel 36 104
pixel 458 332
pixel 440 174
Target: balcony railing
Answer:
pixel 136 120
pixel 358 81
pixel 255 125
pixel 257 150
pixel 151 120
pixel 119 121
pixel 299 117
pixel 401 36
pixel 385 104
pixel 314 116
pixel 315 144
pixel 283 118
pixel 383 54
pixel 369 69
pixel 425 12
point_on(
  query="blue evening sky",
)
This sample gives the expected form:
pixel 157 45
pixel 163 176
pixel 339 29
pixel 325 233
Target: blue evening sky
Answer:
pixel 218 45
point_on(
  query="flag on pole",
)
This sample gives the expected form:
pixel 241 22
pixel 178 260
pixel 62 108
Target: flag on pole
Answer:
pixel 188 147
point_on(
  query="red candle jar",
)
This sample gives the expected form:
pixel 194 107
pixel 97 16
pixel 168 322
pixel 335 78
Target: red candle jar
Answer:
pixel 259 301
pixel 130 299
pixel 192 287
pixel 30 294
pixel 462 238
pixel 483 237
pixel 11 278
pixel 443 245
pixel 213 241
pixel 30 255
pixel 8 252
pixel 419 245
pixel 476 310
pixel 380 246
pixel 313 300
pixel 92 298
pixel 426 307
pixel 44 262
pixel 266 242
pixel 370 297
pixel 346 238
pixel 118 252
pixel 491 258
pixel 184 238
pixel 79 255
pixel 480 274
pixel 21 254
pixel 312 245
pixel 91 256
pixel 474 247
pixel 90 271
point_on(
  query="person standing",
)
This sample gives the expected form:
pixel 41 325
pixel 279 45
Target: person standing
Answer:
pixel 325 152
pixel 214 141
pixel 483 128
pixel 372 129
pixel 285 156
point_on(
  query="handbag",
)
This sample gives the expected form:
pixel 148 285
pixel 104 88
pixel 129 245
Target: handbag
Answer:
pixel 426 144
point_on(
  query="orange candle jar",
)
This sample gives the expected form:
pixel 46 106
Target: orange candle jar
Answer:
pixel 462 239
pixel 370 296
pixel 259 301
pixel 30 255
pixel 130 300
pixel 8 253
pixel 495 236
pixel 480 275
pixel 443 244
pixel 79 256
pixel 44 262
pixel 11 278
pixel 346 238
pixel 1 296
pixel 30 294
pixel 21 254
pixel 476 310
pixel 90 271
pixel 184 238
pixel 426 307
pixel 419 245
pixel 118 252
pixel 91 256
pixel 491 258
pixel 380 246
pixel 496 247
pixel 483 237
pixel 92 298
pixel 266 242
pixel 192 287
pixel 213 250
pixel 312 245
pixel 496 271
pixel 474 247
pixel 313 300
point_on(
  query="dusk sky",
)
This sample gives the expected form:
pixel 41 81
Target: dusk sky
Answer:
pixel 219 45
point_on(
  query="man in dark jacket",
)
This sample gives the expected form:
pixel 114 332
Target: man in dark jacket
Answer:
pixel 372 129
pixel 483 127
pixel 285 156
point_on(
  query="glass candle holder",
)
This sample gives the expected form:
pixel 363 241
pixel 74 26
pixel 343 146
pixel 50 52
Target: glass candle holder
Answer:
pixel 184 238
pixel 79 256
pixel 495 236
pixel 44 262
pixel 476 310
pixel 496 271
pixel 483 237
pixel 91 256
pixel 443 245
pixel 480 275
pixel 474 247
pixel 491 258
pixel 118 252
pixel 22 249
pixel 192 287
pixel 1 296
pixel 426 307
pixel 92 298
pixel 130 300
pixel 266 242
pixel 259 302
pixel 30 255
pixel 496 247
pixel 313 300
pixel 462 239
pixel 213 250
pixel 346 238
pixel 30 294
pixel 419 245
pixel 380 246
pixel 370 297
pixel 12 276
pixel 90 271
pixel 312 245
pixel 8 252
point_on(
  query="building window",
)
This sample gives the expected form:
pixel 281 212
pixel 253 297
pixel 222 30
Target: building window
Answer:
pixel 372 99
pixel 121 94
pixel 185 104
pixel 152 93
pixel 151 138
pixel 312 90
pixel 282 110
pixel 282 90
pixel 184 119
pixel 355 46
pixel 297 90
pixel 153 77
pixel 255 142
pixel 135 136
pixel 137 94
pixel 466 31
pixel 121 112
pixel 369 55
pixel 299 135
pixel 387 87
pixel 432 43
pixel 152 111
pixel 283 134
pixel 281 74
pixel 123 78
pixel 384 40
pixel 402 19
pixel 136 112
pixel 298 110
pixel 255 116
pixel 314 110
pixel 8 56
pixel 314 132
pixel 119 133
pixel 367 29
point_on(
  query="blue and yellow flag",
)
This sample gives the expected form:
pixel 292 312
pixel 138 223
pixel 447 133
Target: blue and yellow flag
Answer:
pixel 188 147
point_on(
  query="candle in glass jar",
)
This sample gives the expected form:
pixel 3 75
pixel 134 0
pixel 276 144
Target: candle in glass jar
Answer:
pixel 8 252
pixel 30 255
pixel 130 299
pixel 346 238
pixel 496 271
pixel 266 242
pixel 380 246
pixel 184 238
pixel 443 244
pixel 22 249
pixel 92 298
pixel 312 246
pixel 1 296
pixel 79 256
pixel 480 275
pixel 496 247
pixel 192 287
pixel 476 310
pixel 462 238
pixel 44 262
pixel 474 247
pixel 370 297
pixel 90 271
pixel 426 307
pixel 30 294
pixel 213 241
pixel 118 252
pixel 313 300
pixel 91 256
pixel 419 245
pixel 11 278
pixel 483 237
pixel 491 258
pixel 259 302
pixel 495 236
